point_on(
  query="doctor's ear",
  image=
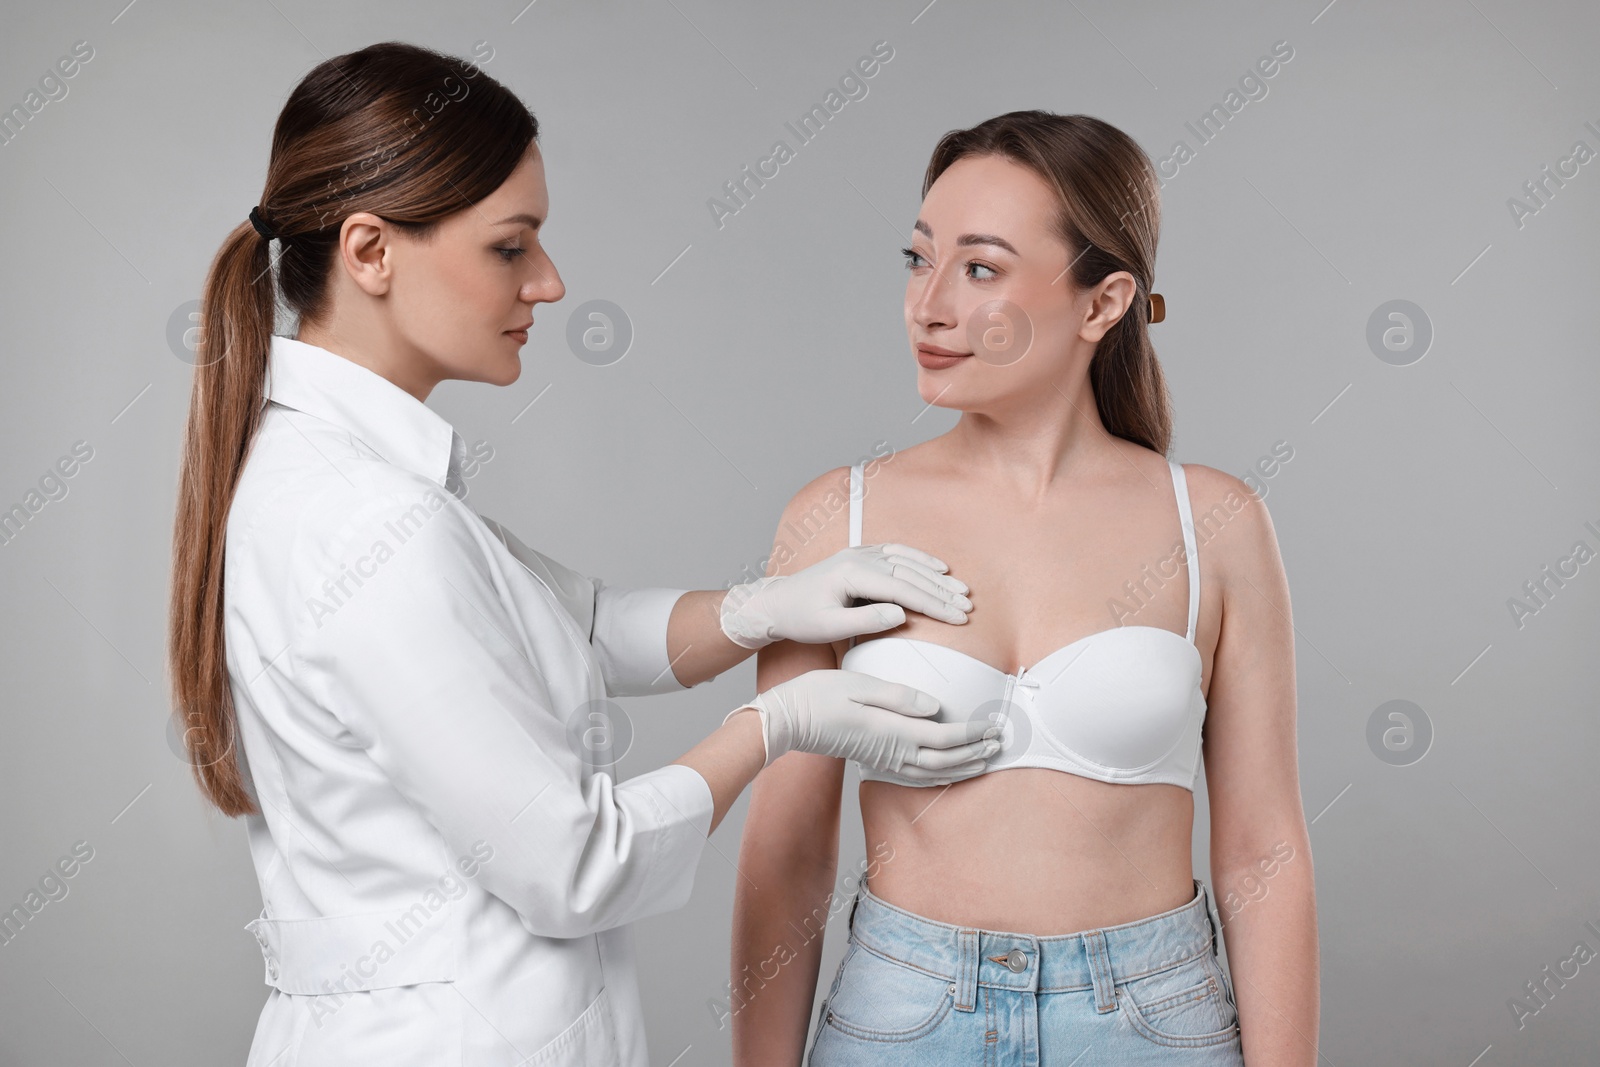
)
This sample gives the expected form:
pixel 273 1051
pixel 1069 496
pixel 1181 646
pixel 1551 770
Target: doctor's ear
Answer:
pixel 366 251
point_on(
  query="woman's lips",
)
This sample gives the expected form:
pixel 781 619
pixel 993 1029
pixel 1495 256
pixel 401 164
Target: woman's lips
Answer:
pixel 934 358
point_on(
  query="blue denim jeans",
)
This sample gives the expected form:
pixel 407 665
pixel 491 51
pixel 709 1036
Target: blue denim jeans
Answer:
pixel 915 991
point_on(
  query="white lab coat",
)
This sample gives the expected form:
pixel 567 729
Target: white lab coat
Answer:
pixel 448 865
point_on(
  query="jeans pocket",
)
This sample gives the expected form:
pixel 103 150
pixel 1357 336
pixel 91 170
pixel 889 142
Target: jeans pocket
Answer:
pixel 1180 1007
pixel 881 999
pixel 827 1001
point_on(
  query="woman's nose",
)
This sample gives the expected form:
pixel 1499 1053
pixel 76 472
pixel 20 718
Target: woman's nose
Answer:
pixel 932 304
pixel 545 285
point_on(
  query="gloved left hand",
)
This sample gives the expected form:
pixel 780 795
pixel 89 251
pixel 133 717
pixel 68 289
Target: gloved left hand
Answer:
pixel 813 605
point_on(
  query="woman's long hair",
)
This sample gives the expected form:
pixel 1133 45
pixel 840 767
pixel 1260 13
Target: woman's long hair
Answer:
pixel 403 132
pixel 1110 220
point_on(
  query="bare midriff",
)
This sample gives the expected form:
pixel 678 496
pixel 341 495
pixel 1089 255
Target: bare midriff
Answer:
pixel 1031 850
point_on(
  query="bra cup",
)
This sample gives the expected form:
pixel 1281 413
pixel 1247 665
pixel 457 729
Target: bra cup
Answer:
pixel 1112 706
pixel 1121 703
pixel 959 689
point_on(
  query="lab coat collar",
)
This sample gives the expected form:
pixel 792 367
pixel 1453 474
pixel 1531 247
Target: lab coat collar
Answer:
pixel 395 424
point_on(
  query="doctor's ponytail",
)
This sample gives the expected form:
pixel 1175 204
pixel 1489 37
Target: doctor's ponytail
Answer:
pixel 403 132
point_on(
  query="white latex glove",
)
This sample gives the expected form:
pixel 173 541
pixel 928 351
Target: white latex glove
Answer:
pixel 881 724
pixel 813 605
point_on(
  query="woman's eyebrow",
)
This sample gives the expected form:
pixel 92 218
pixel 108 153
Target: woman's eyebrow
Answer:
pixel 527 220
pixel 970 238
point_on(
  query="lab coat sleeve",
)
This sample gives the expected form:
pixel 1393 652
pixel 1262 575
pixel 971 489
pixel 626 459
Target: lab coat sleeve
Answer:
pixel 423 661
pixel 627 626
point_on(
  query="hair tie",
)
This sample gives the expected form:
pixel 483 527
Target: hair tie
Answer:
pixel 1158 307
pixel 259 221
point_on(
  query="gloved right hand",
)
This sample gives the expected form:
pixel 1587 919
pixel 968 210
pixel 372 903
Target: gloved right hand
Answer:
pixel 881 724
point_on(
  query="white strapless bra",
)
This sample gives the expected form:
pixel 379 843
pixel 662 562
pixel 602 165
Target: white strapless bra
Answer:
pixel 1122 705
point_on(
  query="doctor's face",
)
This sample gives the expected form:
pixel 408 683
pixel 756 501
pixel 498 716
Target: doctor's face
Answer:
pixel 992 313
pixel 463 296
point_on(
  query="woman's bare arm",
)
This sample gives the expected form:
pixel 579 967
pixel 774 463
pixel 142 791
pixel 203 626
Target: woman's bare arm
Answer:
pixel 1260 852
pixel 789 852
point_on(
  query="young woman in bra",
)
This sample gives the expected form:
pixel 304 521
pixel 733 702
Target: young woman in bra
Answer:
pixel 1130 616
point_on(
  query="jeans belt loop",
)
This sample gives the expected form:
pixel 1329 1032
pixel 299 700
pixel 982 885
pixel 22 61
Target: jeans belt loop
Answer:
pixel 1105 997
pixel 967 970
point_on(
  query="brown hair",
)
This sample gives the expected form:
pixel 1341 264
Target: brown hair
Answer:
pixel 1110 215
pixel 403 132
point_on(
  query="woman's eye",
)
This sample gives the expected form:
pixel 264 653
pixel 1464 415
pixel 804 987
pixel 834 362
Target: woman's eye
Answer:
pixel 509 254
pixel 913 261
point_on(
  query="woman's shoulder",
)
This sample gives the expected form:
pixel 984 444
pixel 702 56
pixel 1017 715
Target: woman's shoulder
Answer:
pixel 829 492
pixel 1214 492
pixel 814 523
pixel 1139 466
pixel 828 487
pixel 1210 488
pixel 1233 529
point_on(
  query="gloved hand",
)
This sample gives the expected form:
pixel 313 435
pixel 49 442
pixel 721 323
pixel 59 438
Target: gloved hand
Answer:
pixel 813 605
pixel 884 725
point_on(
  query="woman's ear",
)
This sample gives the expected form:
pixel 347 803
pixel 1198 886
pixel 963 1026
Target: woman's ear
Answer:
pixel 366 251
pixel 1108 303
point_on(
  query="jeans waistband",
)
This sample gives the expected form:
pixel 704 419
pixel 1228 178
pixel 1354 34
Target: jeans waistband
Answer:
pixel 1097 959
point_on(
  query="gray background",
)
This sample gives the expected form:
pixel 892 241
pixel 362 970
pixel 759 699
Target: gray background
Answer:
pixel 1418 501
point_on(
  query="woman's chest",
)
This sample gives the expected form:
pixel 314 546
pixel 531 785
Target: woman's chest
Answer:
pixel 1041 580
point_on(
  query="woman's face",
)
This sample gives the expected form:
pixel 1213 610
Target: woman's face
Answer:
pixel 989 282
pixel 460 296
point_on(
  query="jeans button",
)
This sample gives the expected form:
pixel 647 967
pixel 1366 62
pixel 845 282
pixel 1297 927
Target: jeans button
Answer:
pixel 1017 960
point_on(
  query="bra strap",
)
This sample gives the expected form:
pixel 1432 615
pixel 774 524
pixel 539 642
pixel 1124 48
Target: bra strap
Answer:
pixel 1180 486
pixel 856 481
pixel 855 505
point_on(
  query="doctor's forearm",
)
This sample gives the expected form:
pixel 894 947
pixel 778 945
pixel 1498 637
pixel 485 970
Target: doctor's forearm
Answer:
pixel 728 759
pixel 696 645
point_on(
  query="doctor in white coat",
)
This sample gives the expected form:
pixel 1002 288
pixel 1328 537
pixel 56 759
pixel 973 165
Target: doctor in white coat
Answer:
pixel 408 705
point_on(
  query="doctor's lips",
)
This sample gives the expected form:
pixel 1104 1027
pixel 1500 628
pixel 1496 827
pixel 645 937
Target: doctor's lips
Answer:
pixel 935 358
pixel 521 332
